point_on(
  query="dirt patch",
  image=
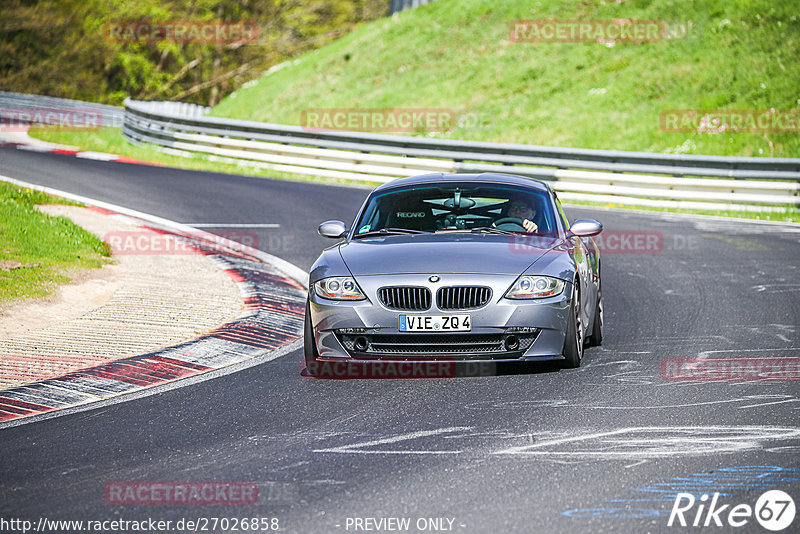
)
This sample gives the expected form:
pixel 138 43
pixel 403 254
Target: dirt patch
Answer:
pixel 139 304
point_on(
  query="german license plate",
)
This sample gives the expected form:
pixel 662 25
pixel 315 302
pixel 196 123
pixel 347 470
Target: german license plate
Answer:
pixel 435 323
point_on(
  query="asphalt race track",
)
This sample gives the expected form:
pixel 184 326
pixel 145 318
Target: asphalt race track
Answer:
pixel 603 448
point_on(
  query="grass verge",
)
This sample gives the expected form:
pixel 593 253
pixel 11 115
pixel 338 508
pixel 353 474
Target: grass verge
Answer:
pixel 459 55
pixel 37 251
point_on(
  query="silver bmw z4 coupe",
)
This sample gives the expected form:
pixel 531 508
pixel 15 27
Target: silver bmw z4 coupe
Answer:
pixel 450 268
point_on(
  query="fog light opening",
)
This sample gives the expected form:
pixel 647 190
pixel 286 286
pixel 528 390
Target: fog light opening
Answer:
pixel 360 344
pixel 512 343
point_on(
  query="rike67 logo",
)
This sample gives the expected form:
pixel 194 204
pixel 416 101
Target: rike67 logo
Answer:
pixel 774 510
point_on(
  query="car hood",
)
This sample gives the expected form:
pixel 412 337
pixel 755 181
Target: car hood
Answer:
pixel 445 253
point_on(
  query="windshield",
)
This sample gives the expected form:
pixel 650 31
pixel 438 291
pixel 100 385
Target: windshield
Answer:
pixel 453 207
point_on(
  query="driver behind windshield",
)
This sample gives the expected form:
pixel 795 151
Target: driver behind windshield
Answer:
pixel 521 209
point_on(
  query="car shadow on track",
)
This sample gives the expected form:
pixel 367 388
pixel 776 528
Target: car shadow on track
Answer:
pixel 371 370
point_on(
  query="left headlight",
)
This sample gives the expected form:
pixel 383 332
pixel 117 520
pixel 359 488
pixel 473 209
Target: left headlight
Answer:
pixel 535 287
pixel 338 288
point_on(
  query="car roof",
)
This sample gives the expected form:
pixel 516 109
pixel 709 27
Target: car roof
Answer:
pixel 492 177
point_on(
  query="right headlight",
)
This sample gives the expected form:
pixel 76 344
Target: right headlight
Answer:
pixel 338 288
pixel 535 287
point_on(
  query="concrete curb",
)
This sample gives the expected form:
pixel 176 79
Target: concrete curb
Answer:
pixel 274 294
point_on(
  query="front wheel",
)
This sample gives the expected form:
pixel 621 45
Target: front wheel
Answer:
pixel 573 342
pixel 596 337
pixel 309 345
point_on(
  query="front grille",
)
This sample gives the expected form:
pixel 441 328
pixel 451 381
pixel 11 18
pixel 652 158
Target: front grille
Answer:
pixel 454 346
pixel 405 298
pixel 462 297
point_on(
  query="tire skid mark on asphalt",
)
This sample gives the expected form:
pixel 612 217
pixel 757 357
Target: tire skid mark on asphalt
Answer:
pixel 632 373
pixel 274 306
pixel 707 353
pixel 653 442
pixel 578 404
pixel 625 444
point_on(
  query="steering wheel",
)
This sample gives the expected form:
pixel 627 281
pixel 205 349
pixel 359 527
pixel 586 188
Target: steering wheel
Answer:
pixel 509 220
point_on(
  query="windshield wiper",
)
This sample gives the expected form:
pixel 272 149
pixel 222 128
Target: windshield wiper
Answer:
pixel 390 231
pixel 490 230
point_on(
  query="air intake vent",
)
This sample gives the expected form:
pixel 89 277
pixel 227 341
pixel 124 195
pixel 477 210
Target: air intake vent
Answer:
pixel 448 347
pixel 405 298
pixel 462 297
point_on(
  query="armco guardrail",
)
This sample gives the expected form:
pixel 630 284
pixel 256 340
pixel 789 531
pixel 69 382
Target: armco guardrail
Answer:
pixel 395 6
pixel 665 180
pixel 110 115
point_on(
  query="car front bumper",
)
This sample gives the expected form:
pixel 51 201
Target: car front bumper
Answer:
pixel 503 330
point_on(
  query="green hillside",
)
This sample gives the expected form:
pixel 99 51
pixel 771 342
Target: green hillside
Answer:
pixel 457 54
pixel 67 48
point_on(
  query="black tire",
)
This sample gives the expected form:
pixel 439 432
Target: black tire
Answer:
pixel 595 339
pixel 309 346
pixel 573 342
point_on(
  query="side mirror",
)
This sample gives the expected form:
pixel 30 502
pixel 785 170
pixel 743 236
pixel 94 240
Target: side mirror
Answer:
pixel 332 229
pixel 585 228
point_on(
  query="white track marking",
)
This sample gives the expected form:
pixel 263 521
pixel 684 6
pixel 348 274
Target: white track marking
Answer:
pixel 233 225
pixel 357 448
pixel 97 156
pixel 34 148
pixel 654 442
